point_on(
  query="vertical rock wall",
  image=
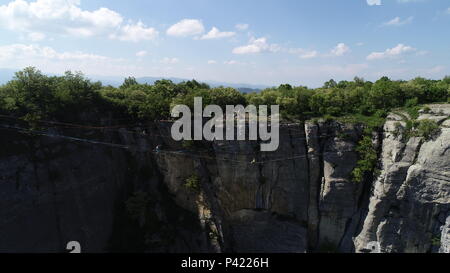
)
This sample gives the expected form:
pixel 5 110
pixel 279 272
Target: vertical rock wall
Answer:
pixel 299 198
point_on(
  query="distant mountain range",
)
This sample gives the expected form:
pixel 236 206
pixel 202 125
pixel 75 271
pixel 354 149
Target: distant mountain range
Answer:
pixel 242 87
pixel 7 74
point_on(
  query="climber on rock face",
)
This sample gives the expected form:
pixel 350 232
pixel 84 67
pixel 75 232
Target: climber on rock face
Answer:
pixel 158 148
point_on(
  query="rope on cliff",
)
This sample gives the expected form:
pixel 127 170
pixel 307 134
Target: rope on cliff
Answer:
pixel 121 128
pixel 41 133
pixel 254 162
pixel 128 147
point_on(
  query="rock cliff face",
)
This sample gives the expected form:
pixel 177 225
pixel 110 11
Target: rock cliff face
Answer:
pixel 410 200
pixel 54 190
pixel 300 198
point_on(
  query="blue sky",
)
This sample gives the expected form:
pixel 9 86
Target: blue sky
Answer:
pixel 247 41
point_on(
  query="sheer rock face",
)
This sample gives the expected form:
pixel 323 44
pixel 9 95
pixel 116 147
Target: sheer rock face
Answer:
pixel 262 232
pixel 53 191
pixel 56 194
pixel 410 201
pixel 445 237
pixel 296 199
pixel 307 180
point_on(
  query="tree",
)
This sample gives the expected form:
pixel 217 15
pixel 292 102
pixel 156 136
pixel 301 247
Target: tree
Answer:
pixel 130 81
pixel 32 92
pixel 446 80
pixel 428 128
pixel 34 95
pixel 285 86
pixel 359 81
pixel 330 84
pixel 385 94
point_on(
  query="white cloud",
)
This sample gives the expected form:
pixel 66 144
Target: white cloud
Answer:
pixel 303 53
pixel 169 60
pixel 390 52
pixel 448 11
pixel 359 44
pixel 397 21
pixel 141 53
pixel 186 27
pixel 63 17
pixel 256 46
pixel 436 69
pixel 36 36
pixel 422 53
pixel 340 50
pixel 50 60
pixel 212 62
pixel 231 62
pixel 21 51
pixel 374 2
pixel 242 27
pixel 215 33
pixel 135 33
pixel 309 54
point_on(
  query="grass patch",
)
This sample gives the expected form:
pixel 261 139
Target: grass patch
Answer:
pixel 372 123
pixel 413 112
pixel 436 241
pixel 425 128
pixel 193 183
pixel 368 159
pixel 428 128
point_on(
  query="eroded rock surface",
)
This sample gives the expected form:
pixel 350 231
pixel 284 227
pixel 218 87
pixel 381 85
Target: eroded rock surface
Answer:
pixel 411 197
pixel 300 198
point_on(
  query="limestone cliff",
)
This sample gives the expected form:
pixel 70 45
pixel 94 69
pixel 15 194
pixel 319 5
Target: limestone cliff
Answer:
pixel 410 199
pixel 300 198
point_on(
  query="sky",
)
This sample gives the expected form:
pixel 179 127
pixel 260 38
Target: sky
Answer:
pixel 270 42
